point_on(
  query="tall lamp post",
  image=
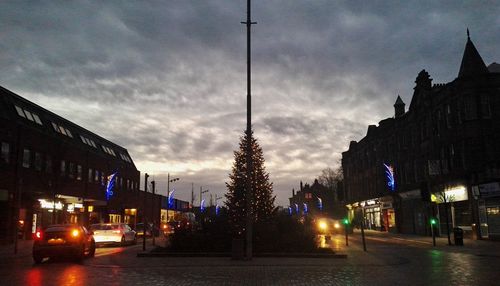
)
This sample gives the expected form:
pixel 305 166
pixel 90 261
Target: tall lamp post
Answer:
pixel 248 194
pixel 168 191
pixel 146 176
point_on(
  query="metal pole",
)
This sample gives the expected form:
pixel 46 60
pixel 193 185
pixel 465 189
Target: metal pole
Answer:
pixel 144 213
pixel 153 183
pixel 168 194
pixel 363 229
pixel 433 235
pixel 346 237
pixel 248 194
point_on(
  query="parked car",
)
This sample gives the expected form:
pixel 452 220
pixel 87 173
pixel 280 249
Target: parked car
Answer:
pixel 113 233
pixel 63 240
pixel 149 230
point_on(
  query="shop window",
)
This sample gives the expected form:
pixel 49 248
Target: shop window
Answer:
pixel 79 172
pixel 5 152
pixel 26 158
pixel 38 161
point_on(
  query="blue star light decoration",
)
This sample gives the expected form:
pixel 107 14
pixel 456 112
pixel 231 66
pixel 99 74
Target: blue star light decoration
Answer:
pixel 171 199
pixel 389 174
pixel 110 185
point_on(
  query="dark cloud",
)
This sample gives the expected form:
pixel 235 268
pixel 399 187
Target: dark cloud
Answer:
pixel 166 79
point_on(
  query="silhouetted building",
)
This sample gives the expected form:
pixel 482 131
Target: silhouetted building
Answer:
pixel 315 199
pixel 54 171
pixel 446 144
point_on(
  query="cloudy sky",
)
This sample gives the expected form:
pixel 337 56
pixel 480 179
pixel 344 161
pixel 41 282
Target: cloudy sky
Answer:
pixel 167 79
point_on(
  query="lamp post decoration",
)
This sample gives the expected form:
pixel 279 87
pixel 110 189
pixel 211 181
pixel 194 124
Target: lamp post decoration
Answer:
pixel 110 185
pixel 169 197
pixel 389 174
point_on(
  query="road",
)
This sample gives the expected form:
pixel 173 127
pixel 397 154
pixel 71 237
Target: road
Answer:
pixel 389 260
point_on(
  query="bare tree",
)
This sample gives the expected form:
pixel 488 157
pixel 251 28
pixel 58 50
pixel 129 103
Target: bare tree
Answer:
pixel 330 178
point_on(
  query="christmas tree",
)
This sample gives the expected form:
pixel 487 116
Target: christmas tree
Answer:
pixel 262 190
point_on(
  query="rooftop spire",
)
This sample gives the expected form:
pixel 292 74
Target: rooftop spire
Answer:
pixel 472 63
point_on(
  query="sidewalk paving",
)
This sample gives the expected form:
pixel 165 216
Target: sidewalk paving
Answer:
pixel 487 246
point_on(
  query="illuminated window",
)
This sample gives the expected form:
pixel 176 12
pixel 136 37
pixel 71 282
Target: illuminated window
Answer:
pixel 308 196
pixel 96 178
pixel 26 158
pixel 5 152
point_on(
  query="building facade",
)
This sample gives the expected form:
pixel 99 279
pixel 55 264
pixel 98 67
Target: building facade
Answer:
pixel 54 171
pixel 441 158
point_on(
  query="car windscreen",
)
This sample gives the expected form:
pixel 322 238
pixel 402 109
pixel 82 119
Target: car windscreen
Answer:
pixel 56 228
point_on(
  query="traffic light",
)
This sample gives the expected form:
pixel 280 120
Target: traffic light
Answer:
pixel 345 221
pixel 433 221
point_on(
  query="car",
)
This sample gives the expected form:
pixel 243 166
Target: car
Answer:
pixel 113 233
pixel 139 228
pixel 63 240
pixel 328 226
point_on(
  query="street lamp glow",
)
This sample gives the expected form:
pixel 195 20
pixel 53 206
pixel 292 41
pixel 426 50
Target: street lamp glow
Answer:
pixel 322 225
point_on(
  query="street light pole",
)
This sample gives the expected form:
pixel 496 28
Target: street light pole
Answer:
pixel 248 194
pixel 168 191
pixel 153 184
pixel 146 176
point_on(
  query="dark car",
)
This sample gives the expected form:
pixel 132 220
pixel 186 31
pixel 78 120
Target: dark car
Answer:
pixel 150 230
pixel 63 240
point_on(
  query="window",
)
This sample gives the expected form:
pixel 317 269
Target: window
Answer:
pixel 5 155
pixel 470 108
pixel 448 116
pixel 48 164
pixel 63 168
pixel 26 158
pixel 96 178
pixel 37 119
pixel 128 184
pixel 308 195
pixel 71 170
pixel 20 111
pixel 79 172
pixel 56 128
pixel 61 129
pixel 90 175
pixel 68 133
pixel 485 106
pixel 29 116
pixel 38 161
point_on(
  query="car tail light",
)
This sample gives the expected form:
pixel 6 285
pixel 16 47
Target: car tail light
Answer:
pixel 38 235
pixel 75 233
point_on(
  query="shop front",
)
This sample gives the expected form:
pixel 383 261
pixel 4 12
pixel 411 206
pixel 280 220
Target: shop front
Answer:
pixel 453 209
pixel 488 202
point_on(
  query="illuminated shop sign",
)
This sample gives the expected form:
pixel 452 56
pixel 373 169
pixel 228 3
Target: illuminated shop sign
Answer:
pixel 389 174
pixel 50 205
pixel 455 194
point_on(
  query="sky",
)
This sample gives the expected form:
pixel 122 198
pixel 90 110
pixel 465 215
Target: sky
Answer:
pixel 167 79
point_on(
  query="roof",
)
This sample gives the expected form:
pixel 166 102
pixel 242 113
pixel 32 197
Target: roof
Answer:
pixel 472 63
pixel 50 122
pixel 399 101
pixel 494 68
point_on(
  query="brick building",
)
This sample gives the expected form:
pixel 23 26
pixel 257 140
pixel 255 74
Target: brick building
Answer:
pixel 445 148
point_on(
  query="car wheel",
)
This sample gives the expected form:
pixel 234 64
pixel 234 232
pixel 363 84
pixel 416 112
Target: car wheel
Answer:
pixel 37 258
pixel 122 243
pixel 81 254
pixel 92 249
